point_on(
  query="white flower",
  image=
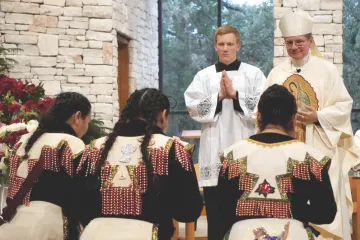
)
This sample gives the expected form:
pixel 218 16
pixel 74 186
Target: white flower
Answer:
pixel 32 126
pixel 2 131
pixel 3 165
pixel 16 127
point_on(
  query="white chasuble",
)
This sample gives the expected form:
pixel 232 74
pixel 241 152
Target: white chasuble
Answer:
pixel 319 84
pixel 221 129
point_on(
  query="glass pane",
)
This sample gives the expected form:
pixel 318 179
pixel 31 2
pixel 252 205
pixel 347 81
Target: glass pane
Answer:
pixel 187 38
pixel 254 19
pixel 351 55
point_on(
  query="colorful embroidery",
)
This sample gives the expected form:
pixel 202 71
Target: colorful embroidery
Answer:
pixel 65 227
pixel 285 185
pixel 310 234
pixel 225 165
pixel 121 201
pixel 51 161
pixel 265 189
pixel 90 156
pixel 236 167
pixel 155 233
pixel 302 170
pixel 183 156
pixel 316 166
pixel 247 182
pixel 128 200
pixel 270 208
pixel 140 177
pixel 159 160
pixel 271 144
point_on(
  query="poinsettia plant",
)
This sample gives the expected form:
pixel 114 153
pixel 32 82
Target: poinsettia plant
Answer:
pixel 21 102
pixel 21 105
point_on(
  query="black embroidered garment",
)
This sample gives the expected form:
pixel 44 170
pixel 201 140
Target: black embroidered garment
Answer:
pixel 271 175
pixel 123 188
pixel 59 150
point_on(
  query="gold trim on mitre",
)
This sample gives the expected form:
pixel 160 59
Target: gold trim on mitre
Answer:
pixel 298 23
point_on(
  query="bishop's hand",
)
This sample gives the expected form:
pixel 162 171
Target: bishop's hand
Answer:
pixel 307 117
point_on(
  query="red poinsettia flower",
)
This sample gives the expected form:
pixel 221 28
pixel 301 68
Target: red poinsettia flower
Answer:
pixel 9 84
pixel 29 105
pixel 20 117
pixel 265 188
pixel 45 104
pixel 2 106
pixel 30 88
pixel 14 107
pixel 12 121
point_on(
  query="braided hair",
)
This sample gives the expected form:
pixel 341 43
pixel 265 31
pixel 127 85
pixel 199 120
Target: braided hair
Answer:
pixel 277 106
pixel 143 104
pixel 64 106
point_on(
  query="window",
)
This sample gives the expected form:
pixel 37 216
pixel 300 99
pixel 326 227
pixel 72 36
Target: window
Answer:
pixel 351 55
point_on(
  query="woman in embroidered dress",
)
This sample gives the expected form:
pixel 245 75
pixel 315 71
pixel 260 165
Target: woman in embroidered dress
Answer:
pixel 271 179
pixel 133 183
pixel 47 209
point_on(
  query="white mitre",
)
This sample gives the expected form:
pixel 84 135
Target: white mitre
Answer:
pixel 298 23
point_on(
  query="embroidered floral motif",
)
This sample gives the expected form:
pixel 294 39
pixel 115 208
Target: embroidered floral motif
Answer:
pixel 265 189
pixel 204 108
pixel 250 102
pixel 127 150
pixel 210 171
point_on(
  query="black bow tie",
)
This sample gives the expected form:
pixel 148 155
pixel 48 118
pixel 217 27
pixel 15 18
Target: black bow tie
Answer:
pixel 234 66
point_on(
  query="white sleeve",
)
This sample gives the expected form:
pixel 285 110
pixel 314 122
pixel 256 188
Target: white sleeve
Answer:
pixel 249 100
pixel 200 102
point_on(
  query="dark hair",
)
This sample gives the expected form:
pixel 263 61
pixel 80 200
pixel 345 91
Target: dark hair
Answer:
pixel 277 106
pixel 143 104
pixel 64 106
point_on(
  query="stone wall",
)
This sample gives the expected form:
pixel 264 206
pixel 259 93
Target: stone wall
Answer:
pixel 71 45
pixel 327 30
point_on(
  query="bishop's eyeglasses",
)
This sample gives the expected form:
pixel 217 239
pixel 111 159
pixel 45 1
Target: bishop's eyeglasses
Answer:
pixel 298 43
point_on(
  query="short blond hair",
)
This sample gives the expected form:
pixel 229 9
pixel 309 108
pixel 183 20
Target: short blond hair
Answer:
pixel 226 29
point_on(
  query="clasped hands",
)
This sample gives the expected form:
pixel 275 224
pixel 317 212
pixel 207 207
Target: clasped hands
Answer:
pixel 226 88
